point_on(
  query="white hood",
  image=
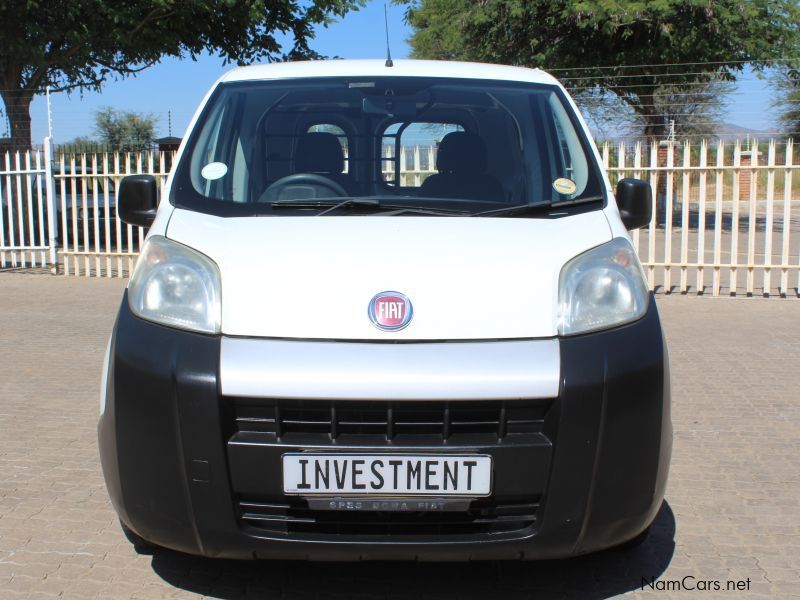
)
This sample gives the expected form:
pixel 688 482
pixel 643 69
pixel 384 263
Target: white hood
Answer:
pixel 314 277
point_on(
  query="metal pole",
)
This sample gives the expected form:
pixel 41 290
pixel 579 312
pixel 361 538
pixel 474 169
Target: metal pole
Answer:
pixel 51 203
pixel 49 114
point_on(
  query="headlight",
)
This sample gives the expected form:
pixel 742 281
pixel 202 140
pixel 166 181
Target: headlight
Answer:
pixel 601 288
pixel 176 286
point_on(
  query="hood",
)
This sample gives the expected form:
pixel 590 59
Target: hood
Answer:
pixel 314 277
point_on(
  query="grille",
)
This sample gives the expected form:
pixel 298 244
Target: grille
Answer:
pixel 482 517
pixel 389 420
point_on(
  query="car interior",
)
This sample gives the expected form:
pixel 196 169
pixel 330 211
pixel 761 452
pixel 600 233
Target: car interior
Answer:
pixel 321 139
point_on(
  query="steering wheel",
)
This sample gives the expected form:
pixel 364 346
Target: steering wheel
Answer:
pixel 303 186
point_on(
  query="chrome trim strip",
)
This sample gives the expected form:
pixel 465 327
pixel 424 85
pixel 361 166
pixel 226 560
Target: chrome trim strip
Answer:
pixel 415 371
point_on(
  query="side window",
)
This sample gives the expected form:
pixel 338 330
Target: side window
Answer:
pixel 408 151
pixel 340 134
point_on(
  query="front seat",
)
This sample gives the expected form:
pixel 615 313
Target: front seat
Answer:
pixel 321 153
pixel 461 162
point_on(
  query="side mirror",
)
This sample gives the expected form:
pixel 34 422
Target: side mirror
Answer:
pixel 137 200
pixel 635 202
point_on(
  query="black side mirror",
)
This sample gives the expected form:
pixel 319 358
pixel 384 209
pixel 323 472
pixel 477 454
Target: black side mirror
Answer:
pixel 137 200
pixel 635 202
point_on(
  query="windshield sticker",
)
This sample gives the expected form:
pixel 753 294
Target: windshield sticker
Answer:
pixel 215 170
pixel 564 186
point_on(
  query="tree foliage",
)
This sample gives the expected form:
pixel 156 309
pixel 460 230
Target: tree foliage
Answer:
pixel 81 43
pixel 786 81
pixel 638 50
pixel 694 112
pixel 126 131
pixel 80 144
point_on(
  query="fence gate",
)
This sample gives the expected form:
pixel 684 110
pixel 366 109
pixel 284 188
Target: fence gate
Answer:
pixel 27 210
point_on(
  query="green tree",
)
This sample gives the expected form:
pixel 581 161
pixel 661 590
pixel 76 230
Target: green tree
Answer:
pixel 694 111
pixel 786 81
pixel 638 50
pixel 124 130
pixel 79 44
pixel 81 143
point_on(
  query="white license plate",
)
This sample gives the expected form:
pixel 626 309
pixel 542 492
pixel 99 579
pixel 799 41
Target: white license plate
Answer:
pixel 387 474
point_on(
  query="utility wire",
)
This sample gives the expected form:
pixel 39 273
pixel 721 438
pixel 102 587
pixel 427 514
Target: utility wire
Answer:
pixel 679 64
pixel 677 74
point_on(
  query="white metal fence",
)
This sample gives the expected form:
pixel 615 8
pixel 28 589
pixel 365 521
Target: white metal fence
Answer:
pixel 726 215
pixel 27 225
pixel 92 239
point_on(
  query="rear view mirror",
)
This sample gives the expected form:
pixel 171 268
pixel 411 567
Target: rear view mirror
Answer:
pixel 635 202
pixel 389 105
pixel 137 200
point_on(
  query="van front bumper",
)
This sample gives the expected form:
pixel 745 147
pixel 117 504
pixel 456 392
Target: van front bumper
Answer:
pixel 580 461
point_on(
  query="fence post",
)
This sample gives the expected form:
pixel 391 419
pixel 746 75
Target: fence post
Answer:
pixel 752 216
pixel 770 216
pixel 685 202
pixel 719 183
pixel 787 214
pixel 734 257
pixel 50 198
pixel 4 166
pixel 669 188
pixel 701 218
pixel 651 228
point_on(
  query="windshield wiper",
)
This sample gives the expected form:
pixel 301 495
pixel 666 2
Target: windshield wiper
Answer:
pixel 368 203
pixel 328 205
pixel 421 210
pixel 527 209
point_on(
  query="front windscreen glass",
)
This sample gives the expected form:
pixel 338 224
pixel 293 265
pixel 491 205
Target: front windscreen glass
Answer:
pixel 393 145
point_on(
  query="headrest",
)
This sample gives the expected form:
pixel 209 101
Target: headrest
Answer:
pixel 461 152
pixel 318 152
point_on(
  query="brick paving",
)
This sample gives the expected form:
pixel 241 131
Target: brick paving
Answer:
pixel 733 500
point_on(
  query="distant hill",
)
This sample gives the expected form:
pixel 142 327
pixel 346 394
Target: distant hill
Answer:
pixel 730 132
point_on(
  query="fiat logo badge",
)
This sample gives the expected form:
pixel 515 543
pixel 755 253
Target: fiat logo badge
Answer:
pixel 390 311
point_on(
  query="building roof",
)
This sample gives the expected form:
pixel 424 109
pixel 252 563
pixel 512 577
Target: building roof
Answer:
pixel 378 68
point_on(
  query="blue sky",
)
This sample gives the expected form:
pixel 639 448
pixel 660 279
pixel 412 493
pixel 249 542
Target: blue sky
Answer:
pixel 176 86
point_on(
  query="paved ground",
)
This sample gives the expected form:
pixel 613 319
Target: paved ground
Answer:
pixel 733 501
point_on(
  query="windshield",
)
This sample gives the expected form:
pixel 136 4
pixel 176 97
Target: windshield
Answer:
pixel 395 145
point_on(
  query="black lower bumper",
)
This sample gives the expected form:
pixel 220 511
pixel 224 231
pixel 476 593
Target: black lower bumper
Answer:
pixel 179 474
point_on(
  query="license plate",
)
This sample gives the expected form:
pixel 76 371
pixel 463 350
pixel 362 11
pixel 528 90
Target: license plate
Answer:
pixel 387 474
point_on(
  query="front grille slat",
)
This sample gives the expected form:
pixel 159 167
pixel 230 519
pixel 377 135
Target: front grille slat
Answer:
pixel 334 423
pixel 278 423
pixel 483 517
pixel 389 419
pixel 250 517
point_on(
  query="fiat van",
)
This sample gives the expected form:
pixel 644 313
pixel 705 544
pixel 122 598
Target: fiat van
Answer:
pixel 386 311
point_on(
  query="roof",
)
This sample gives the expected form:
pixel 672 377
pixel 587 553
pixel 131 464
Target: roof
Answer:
pixel 170 139
pixel 378 68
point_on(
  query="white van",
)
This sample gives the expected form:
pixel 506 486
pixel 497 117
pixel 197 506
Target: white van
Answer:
pixel 324 354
